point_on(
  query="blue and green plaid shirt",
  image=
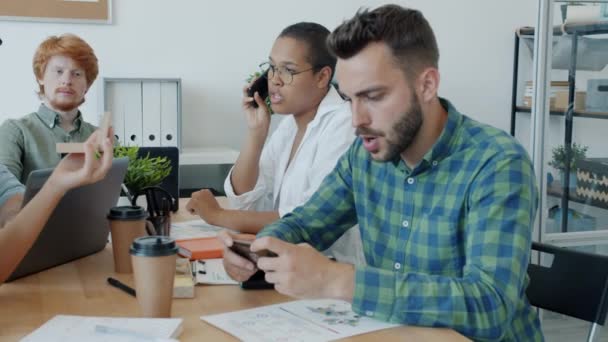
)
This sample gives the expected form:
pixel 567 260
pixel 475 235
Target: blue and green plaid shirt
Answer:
pixel 447 243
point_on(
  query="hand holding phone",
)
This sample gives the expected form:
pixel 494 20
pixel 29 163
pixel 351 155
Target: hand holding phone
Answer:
pixel 260 85
pixel 243 248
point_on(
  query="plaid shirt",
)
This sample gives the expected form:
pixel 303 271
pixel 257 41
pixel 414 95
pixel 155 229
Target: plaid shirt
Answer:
pixel 447 243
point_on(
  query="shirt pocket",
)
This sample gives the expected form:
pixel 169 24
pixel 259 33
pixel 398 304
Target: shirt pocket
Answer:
pixel 433 246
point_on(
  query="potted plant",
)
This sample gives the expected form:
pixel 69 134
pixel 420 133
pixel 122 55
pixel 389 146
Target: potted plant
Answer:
pixel 142 171
pixel 577 152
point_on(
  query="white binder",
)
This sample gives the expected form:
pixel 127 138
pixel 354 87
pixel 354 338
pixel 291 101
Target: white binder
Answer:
pixel 151 99
pixel 117 108
pixel 169 104
pixel 131 94
pixel 147 112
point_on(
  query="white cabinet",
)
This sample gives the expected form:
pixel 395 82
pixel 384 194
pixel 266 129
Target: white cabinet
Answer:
pixel 146 112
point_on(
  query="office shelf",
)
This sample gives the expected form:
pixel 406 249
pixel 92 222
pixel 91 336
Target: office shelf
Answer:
pixel 572 33
pixel 561 112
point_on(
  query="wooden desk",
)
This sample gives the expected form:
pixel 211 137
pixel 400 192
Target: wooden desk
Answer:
pixel 79 288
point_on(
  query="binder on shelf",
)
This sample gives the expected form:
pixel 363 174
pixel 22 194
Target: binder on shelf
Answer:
pixel 151 109
pixel 169 118
pixel 133 114
pixel 147 110
pixel 117 108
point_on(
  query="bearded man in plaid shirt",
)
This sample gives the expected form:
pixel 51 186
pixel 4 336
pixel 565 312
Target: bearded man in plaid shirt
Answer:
pixel 445 204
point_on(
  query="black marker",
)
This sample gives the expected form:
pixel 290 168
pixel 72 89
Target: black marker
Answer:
pixel 117 284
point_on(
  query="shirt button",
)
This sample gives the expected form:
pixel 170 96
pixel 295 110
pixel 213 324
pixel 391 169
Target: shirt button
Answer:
pixel 410 180
pixel 397 266
pixel 434 163
pixel 369 313
pixel 405 224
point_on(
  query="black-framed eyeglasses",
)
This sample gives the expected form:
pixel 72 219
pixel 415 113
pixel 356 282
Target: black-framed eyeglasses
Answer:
pixel 285 74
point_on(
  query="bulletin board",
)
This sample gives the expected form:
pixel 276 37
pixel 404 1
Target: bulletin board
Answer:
pixel 83 11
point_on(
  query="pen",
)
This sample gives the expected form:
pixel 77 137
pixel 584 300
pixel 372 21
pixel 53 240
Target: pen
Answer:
pixel 127 193
pixel 119 285
pixel 163 204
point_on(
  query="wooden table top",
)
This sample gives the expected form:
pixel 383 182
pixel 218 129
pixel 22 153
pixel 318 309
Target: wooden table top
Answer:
pixel 80 288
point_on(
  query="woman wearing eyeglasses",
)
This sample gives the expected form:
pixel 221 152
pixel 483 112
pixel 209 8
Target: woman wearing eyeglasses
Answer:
pixel 271 177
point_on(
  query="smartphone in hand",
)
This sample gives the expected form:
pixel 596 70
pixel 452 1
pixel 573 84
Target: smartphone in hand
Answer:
pixel 242 248
pixel 261 86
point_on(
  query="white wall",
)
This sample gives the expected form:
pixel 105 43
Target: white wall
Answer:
pixel 213 45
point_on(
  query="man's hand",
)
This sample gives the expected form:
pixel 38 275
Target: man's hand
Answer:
pixel 204 204
pixel 237 267
pixel 301 271
pixel 78 169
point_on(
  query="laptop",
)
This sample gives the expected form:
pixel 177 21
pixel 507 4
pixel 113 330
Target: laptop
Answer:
pixel 78 226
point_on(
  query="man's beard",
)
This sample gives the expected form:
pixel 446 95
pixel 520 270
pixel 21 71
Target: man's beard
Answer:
pixel 65 106
pixel 404 131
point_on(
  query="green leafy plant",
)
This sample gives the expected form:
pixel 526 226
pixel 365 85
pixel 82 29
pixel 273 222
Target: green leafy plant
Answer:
pixel 267 99
pixel 577 152
pixel 144 171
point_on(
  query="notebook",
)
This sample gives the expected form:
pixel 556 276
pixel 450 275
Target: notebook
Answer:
pixel 64 328
pixel 200 248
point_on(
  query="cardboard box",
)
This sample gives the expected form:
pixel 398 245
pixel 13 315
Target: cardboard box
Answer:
pixel 558 100
pixel 597 98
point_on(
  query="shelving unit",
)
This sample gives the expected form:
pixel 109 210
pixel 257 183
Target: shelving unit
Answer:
pixel 573 31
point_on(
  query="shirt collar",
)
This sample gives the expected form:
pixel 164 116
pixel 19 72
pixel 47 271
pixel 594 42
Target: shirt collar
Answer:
pixel 330 102
pixel 52 118
pixel 441 148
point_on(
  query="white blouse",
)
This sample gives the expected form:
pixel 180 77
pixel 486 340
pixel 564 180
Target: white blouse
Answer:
pixel 282 188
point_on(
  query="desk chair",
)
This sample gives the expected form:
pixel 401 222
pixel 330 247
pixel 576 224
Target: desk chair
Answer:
pixel 576 285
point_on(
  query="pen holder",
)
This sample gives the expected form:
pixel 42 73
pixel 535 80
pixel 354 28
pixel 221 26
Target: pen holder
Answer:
pixel 159 225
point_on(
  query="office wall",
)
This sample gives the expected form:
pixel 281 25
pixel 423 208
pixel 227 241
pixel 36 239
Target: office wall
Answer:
pixel 213 45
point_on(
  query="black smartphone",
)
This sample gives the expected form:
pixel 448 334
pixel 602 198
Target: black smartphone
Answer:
pixel 261 86
pixel 242 248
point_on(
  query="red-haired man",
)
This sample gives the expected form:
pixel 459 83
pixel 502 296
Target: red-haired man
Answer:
pixel 65 67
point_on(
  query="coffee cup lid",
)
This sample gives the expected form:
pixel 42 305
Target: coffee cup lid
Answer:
pixel 155 245
pixel 128 213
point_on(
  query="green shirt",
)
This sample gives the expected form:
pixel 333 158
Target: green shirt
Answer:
pixel 9 186
pixel 28 143
pixel 447 243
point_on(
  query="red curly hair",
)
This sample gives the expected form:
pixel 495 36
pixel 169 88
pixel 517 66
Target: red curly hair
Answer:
pixel 68 45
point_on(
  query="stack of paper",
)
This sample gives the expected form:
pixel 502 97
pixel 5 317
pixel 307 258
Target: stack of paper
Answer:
pixel 303 320
pixel 62 328
pixel 211 271
pixel 193 229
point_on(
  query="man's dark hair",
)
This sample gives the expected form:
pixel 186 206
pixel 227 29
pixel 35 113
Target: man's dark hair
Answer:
pixel 315 36
pixel 405 31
